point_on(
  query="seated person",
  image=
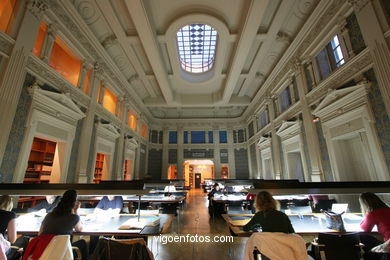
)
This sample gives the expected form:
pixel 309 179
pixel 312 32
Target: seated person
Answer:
pixel 268 217
pixel 64 219
pixel 46 205
pixel 215 208
pixel 376 213
pixel 111 204
pixel 7 218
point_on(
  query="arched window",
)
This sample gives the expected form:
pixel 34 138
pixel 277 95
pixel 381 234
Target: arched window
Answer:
pixel 196 44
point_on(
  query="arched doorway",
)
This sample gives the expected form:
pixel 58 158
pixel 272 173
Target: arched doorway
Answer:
pixel 196 171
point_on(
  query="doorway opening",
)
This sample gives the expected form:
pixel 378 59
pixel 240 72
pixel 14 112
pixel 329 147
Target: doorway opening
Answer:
pixel 128 170
pixel 196 171
pixel 101 167
pixel 45 162
pixel 295 166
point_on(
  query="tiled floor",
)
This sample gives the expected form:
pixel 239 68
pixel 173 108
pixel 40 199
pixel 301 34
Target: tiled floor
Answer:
pixel 195 220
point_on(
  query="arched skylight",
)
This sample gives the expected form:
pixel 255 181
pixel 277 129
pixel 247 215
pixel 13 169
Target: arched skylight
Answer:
pixel 196 43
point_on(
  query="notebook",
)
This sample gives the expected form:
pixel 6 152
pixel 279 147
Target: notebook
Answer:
pixel 133 223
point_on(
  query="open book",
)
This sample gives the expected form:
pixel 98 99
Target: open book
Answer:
pixel 133 223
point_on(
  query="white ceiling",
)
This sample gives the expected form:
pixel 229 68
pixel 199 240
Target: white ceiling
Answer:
pixel 139 35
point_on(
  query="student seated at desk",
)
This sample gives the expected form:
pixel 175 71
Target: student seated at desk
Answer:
pixel 268 217
pixel 215 208
pixel 109 204
pixel 7 218
pixel 64 219
pixel 46 205
pixel 376 213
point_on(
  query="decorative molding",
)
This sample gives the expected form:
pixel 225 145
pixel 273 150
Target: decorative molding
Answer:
pixel 37 8
pixel 358 4
pixel 6 44
pixel 55 104
pixel 131 144
pixel 289 129
pixel 107 131
pixel 341 101
pixel 264 142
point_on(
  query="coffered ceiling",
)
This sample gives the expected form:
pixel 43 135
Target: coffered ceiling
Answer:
pixel 140 37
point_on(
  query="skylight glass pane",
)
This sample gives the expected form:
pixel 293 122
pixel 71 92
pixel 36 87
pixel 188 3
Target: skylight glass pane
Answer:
pixel 196 43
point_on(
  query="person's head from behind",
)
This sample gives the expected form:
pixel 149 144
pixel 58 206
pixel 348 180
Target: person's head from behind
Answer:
pixel 6 203
pixel 265 201
pixel 67 203
pixel 216 186
pixel 369 202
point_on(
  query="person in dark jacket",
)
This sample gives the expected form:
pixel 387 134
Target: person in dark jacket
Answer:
pixel 268 217
pixel 48 204
pixel 215 208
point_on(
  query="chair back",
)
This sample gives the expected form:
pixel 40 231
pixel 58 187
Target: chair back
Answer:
pixel 59 248
pixel 340 246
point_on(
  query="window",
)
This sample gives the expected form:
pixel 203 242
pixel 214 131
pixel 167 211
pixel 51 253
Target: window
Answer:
pixel 65 62
pixel 196 44
pixel 109 101
pixel 40 39
pixel 337 53
pixel 185 137
pixel 330 58
pixel 223 137
pixel 284 99
pixel 198 137
pixel 211 137
pixel 173 137
pixel 7 14
pixel 263 119
pixel 132 121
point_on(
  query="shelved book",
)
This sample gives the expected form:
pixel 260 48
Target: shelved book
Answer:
pixel 133 223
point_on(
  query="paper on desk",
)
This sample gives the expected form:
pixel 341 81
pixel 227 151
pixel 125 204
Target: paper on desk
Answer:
pixel 133 223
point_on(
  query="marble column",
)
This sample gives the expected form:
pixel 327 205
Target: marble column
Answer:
pixel 313 145
pixel 180 151
pixel 275 142
pixel 14 74
pixel 375 40
pixel 87 128
pixel 120 147
pixel 232 160
pixel 165 155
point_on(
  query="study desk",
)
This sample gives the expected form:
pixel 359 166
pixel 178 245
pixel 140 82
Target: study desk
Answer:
pixel 229 198
pixel 304 224
pixel 29 224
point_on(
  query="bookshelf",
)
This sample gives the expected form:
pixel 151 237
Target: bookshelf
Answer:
pixel 98 167
pixel 125 171
pixel 40 161
pixel 191 176
pixel 224 172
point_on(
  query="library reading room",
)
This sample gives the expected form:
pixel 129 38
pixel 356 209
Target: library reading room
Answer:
pixel 194 129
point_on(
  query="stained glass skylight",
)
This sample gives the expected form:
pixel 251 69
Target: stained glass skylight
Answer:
pixel 197 43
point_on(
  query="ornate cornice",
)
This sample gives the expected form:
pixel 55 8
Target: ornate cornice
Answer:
pixel 358 4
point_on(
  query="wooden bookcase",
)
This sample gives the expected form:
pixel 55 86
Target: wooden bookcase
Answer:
pixel 98 167
pixel 125 170
pixel 40 161
pixel 224 172
pixel 191 176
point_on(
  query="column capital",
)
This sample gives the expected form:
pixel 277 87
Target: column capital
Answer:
pixel 296 64
pixel 37 8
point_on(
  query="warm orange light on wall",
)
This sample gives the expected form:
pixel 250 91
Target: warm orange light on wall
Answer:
pixel 65 62
pixel 40 39
pixel 109 101
pixel 87 80
pixel 133 121
pixel 144 131
pixel 7 14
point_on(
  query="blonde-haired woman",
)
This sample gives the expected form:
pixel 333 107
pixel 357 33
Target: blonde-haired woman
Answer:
pixel 7 218
pixel 268 217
